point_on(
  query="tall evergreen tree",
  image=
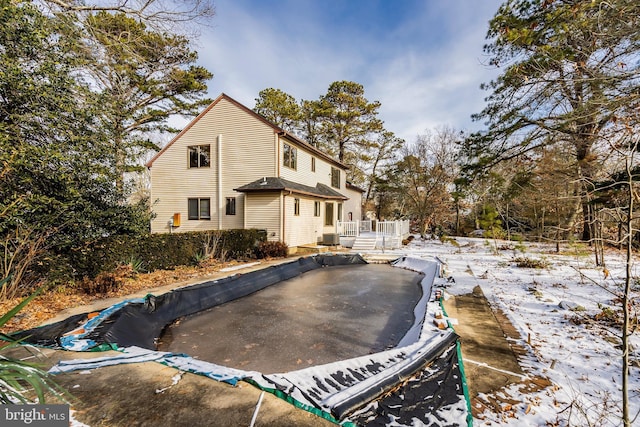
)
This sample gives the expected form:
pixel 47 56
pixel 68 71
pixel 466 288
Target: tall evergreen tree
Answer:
pixel 570 70
pixel 348 120
pixel 342 122
pixel 56 179
pixel 279 108
pixel 143 78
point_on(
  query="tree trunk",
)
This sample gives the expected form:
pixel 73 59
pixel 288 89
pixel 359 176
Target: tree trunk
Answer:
pixel 507 221
pixel 558 224
pixel 457 217
pixel 587 222
pixel 625 306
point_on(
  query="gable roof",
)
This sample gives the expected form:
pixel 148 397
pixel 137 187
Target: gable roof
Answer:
pixel 279 184
pixel 281 132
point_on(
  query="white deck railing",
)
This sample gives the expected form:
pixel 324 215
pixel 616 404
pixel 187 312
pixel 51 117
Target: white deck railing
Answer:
pixel 398 228
pixel 348 228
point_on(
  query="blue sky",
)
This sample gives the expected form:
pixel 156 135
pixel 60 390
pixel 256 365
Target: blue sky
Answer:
pixel 422 59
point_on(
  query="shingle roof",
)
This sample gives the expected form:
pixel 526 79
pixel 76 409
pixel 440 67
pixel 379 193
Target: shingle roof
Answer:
pixel 279 184
pixel 355 187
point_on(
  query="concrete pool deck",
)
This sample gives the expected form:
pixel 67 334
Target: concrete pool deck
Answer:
pixel 126 394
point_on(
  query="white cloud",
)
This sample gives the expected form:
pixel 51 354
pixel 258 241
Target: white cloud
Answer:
pixel 422 61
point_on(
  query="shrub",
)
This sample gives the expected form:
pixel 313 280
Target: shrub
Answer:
pixel 526 262
pixel 408 240
pixel 269 249
pixel 136 264
pixel 161 251
pixel 447 239
pixel 19 379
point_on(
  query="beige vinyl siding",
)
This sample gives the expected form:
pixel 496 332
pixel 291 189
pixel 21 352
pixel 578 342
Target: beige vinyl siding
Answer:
pixel 353 205
pixel 303 173
pixel 169 193
pixel 263 212
pixel 301 229
pixel 247 154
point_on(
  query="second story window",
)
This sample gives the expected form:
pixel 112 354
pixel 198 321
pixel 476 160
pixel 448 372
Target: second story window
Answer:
pixel 199 156
pixel 290 156
pixel 335 177
pixel 313 164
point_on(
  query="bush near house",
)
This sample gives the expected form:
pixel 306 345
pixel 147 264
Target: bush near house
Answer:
pixel 156 252
pixel 268 249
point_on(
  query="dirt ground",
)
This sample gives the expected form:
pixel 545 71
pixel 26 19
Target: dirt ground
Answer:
pixel 127 395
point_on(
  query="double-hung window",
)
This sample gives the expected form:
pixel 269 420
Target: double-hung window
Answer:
pixel 199 156
pixel 199 208
pixel 290 156
pixel 335 177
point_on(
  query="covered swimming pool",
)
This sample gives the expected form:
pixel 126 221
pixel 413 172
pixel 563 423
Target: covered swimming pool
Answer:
pixel 321 316
pixel 372 355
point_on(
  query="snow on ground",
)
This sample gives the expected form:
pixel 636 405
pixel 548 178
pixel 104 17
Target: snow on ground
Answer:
pixel 554 309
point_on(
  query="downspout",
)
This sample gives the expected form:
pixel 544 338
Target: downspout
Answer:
pixel 219 164
pixel 277 154
pixel 244 210
pixel 282 204
pixel 284 215
pixel 276 142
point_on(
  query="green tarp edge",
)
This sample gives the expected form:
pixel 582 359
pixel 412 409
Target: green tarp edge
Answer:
pixel 287 398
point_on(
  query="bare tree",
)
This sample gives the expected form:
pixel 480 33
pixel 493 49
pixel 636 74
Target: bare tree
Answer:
pixel 425 177
pixel 159 14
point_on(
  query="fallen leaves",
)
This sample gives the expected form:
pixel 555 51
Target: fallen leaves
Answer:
pixel 51 303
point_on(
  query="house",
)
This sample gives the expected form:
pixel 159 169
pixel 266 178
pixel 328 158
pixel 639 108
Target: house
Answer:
pixel 353 205
pixel 230 168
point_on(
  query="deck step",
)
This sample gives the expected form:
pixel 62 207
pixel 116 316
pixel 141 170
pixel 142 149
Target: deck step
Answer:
pixel 364 243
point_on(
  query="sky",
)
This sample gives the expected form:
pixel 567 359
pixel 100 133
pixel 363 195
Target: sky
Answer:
pixel 422 59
